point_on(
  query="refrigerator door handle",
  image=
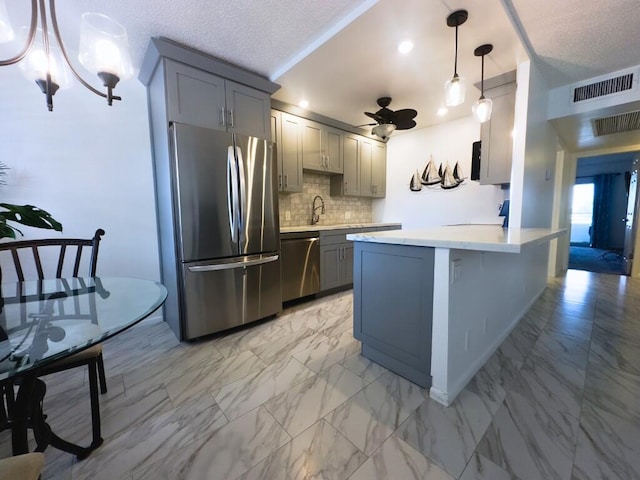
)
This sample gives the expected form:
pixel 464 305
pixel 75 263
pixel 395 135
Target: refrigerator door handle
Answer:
pixel 232 195
pixel 249 262
pixel 243 194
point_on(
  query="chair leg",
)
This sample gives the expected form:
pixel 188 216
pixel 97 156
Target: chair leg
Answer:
pixel 103 379
pixel 95 405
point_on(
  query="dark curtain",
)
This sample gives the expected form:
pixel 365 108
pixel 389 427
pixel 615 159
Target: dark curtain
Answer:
pixel 602 203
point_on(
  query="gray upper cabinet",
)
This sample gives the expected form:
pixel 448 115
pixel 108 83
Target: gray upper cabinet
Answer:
pixel 206 100
pixel 365 168
pixel 496 136
pixel 379 169
pixel 286 131
pixel 348 184
pixel 248 110
pixel 321 147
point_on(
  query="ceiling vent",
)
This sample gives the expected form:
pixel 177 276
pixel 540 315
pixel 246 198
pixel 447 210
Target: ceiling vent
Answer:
pixel 625 122
pixel 602 88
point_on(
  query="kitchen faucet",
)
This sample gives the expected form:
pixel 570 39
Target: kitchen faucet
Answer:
pixel 315 218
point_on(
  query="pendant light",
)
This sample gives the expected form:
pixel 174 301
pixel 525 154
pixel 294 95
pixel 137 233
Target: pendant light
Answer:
pixel 455 88
pixel 482 108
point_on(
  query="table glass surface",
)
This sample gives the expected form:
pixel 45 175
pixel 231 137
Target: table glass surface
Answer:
pixel 43 321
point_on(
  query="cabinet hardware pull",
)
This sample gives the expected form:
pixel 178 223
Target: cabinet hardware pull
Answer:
pixel 280 181
pixel 286 183
pixel 222 117
pixel 231 117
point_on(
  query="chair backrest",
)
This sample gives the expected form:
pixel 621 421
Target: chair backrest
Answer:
pixel 26 255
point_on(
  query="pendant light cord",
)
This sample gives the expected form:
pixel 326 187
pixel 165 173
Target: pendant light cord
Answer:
pixel 482 80
pixel 455 61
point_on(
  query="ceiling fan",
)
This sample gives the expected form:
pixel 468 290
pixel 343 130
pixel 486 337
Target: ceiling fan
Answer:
pixel 388 120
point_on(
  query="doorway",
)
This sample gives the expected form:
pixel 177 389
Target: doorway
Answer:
pixel 599 213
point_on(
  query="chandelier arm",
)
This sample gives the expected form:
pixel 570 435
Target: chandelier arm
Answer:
pixel 56 31
pixel 30 37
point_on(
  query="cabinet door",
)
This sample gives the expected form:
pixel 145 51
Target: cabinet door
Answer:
pixel 330 266
pixel 194 97
pixel 496 135
pixel 366 158
pixel 276 138
pixel 379 169
pixel 351 161
pixel 312 143
pixel 347 263
pixel 290 172
pixel 247 110
pixel 333 150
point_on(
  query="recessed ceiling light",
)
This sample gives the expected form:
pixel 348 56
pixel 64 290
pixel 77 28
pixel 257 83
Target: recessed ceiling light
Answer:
pixel 405 47
pixel 303 103
pixel 442 111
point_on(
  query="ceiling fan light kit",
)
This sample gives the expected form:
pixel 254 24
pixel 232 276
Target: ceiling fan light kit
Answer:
pixel 104 50
pixel 387 121
pixel 483 106
pixel 456 87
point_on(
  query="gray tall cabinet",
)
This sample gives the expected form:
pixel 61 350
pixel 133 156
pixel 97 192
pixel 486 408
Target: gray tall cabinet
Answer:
pixel 188 86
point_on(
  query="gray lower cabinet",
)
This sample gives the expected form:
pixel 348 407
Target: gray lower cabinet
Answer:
pixel 200 98
pixel 286 131
pixel 393 307
pixel 336 265
pixel 496 136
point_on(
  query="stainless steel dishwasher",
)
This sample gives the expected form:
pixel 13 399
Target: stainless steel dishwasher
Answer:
pixel 300 264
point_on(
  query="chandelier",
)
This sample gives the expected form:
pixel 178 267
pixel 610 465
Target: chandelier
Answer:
pixel 103 50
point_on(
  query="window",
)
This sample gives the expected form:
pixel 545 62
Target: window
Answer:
pixel 582 214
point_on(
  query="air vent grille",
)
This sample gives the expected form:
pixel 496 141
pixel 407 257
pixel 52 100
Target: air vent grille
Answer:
pixel 625 122
pixel 605 87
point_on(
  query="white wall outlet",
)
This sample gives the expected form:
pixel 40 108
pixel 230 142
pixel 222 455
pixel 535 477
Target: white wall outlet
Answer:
pixel 347 215
pixel 287 215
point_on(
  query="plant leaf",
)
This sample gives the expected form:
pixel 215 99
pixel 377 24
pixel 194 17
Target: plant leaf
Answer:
pixel 25 215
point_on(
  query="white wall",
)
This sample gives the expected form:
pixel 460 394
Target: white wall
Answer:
pixel 87 164
pixel 433 206
pixel 535 150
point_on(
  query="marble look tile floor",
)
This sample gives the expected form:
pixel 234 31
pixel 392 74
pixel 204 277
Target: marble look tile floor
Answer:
pixel 291 398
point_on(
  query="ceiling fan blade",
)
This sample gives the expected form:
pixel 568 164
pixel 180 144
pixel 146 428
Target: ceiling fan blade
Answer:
pixel 406 113
pixel 404 124
pixel 366 125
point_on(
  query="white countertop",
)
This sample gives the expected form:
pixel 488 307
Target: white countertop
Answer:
pixel 317 228
pixel 489 238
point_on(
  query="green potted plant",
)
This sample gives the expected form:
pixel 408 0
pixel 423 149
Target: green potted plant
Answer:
pixel 22 214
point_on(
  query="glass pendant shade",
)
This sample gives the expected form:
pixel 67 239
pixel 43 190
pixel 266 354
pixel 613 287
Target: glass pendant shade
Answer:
pixel 35 66
pixel 104 47
pixel 454 91
pixel 482 109
pixel 6 31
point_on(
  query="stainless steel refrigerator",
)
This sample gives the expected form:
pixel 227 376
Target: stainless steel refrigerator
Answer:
pixel 219 231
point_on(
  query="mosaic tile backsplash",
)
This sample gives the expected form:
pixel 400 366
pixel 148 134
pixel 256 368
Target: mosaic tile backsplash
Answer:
pixel 295 208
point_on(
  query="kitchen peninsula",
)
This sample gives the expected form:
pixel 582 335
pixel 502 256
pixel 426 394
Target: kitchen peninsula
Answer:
pixel 434 304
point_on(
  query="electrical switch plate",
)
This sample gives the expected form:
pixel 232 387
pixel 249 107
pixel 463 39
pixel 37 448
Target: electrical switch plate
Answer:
pixel 456 270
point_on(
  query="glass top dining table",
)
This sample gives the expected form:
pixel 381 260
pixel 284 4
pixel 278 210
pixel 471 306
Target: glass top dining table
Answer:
pixel 46 320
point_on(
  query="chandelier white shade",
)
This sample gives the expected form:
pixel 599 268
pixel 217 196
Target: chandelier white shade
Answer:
pixel 104 50
pixel 6 31
pixel 104 46
pixel 383 130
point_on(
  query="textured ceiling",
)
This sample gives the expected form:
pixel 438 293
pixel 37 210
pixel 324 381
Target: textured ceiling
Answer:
pixel 575 40
pixel 341 54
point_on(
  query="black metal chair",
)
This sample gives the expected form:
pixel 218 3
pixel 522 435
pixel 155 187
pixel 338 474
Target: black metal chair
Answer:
pixel 27 255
